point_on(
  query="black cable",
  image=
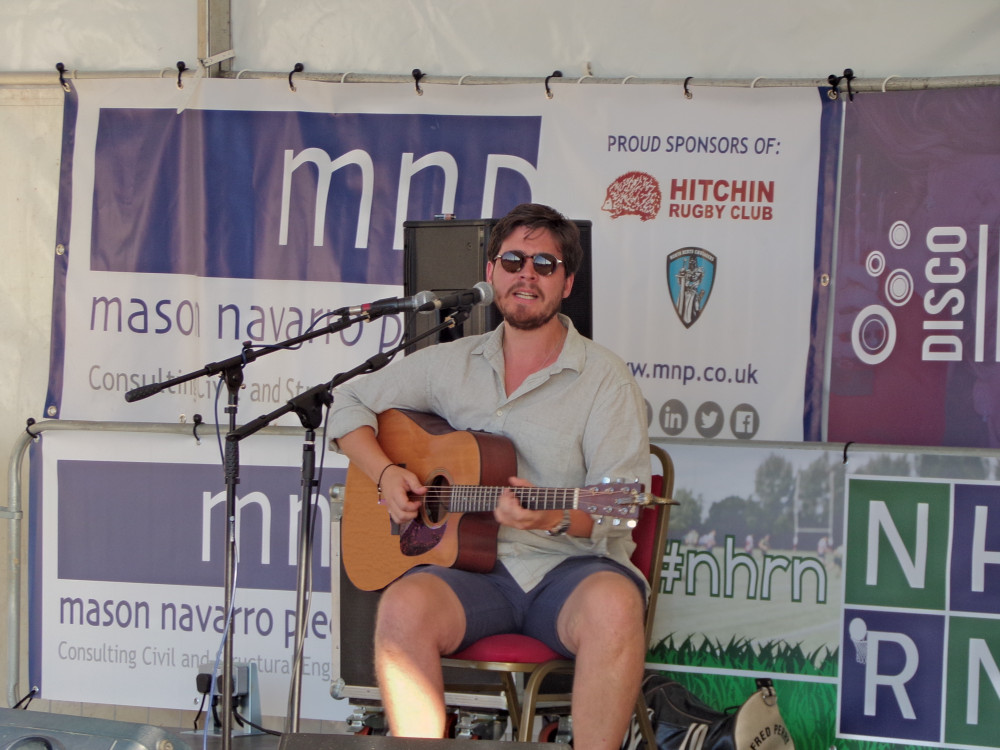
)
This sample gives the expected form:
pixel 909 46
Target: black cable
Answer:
pixel 201 710
pixel 26 700
pixel 244 720
pixel 215 710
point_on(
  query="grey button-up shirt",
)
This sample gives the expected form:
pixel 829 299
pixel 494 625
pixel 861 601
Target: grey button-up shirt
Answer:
pixel 574 423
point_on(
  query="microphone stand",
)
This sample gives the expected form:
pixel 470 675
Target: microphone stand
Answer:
pixel 309 405
pixel 231 371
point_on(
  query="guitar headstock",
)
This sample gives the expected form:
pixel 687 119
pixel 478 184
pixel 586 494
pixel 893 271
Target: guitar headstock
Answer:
pixel 620 501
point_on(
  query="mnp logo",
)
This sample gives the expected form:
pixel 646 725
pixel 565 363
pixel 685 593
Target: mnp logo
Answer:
pixel 690 277
pixel 295 195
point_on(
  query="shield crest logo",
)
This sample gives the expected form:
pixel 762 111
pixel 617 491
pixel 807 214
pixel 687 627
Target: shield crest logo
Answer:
pixel 690 276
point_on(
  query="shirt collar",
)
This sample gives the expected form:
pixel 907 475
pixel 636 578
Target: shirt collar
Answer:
pixel 573 354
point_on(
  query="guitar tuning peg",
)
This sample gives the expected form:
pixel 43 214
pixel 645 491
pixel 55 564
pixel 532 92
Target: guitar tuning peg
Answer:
pixel 605 480
pixel 631 523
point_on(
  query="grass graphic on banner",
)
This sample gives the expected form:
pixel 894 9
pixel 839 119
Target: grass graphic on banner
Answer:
pixel 801 703
pixel 742 653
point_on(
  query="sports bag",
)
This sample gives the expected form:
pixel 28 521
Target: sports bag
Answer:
pixel 683 722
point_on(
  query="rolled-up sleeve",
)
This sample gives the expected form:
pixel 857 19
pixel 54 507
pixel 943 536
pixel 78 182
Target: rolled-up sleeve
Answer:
pixel 402 384
pixel 616 442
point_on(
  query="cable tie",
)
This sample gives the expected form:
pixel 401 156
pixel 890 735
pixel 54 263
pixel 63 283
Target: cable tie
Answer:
pixel 555 74
pixel 62 80
pixel 847 445
pixel 298 68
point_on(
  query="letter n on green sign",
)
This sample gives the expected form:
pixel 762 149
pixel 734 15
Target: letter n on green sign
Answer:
pixel 897 543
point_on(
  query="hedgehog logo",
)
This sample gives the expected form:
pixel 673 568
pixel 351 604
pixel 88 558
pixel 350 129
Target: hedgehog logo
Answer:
pixel 633 194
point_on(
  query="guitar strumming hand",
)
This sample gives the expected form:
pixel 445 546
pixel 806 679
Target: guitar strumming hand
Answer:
pixel 402 493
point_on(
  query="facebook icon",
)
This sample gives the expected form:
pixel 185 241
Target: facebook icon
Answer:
pixel 744 422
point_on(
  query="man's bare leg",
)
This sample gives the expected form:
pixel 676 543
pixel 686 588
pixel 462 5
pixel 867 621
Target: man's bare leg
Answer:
pixel 419 619
pixel 603 623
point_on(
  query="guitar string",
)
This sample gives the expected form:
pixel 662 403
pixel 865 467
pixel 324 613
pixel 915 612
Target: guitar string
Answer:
pixel 470 496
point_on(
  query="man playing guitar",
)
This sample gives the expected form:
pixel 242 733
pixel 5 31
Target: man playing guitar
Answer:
pixel 574 415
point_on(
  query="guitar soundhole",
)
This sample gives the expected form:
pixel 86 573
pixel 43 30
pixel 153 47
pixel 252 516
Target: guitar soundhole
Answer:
pixel 436 508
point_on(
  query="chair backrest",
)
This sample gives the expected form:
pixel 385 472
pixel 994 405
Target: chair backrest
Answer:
pixel 650 533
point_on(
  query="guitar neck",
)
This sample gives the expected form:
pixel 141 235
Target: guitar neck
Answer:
pixel 475 498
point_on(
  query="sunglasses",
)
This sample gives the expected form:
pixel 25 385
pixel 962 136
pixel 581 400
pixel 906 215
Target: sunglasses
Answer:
pixel 544 263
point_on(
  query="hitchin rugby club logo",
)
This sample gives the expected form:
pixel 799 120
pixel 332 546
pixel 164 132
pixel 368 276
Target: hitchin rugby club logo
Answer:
pixel 633 194
pixel 690 276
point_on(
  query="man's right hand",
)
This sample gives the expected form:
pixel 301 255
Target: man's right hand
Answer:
pixel 400 488
pixel 401 493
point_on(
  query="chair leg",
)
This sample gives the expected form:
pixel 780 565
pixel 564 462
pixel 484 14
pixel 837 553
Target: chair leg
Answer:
pixel 645 725
pixel 513 704
pixel 527 721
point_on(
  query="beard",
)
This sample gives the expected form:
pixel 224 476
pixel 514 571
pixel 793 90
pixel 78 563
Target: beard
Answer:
pixel 516 316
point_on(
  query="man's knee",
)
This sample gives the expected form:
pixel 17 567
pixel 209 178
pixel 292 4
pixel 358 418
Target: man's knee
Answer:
pixel 603 605
pixel 419 606
pixel 607 592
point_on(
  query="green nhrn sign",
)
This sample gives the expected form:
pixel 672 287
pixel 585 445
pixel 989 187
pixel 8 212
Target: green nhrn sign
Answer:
pixel 921 628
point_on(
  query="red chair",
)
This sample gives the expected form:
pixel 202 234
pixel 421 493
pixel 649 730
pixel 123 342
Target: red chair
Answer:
pixel 511 654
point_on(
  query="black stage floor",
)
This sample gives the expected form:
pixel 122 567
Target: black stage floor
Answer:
pixel 37 730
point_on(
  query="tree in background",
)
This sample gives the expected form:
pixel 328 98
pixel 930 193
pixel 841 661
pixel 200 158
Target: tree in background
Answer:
pixel 774 483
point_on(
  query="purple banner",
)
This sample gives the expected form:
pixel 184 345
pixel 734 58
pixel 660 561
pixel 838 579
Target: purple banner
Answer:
pixel 915 356
pixel 163 523
pixel 290 195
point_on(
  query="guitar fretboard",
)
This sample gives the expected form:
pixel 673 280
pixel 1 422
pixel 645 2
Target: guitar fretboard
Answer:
pixel 473 498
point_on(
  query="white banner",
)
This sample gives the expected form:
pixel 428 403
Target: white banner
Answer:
pixel 253 210
pixel 129 570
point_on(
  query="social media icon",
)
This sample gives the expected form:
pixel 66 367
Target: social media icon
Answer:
pixel 709 419
pixel 744 422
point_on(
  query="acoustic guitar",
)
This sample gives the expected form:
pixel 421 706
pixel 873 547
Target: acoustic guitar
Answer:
pixel 465 472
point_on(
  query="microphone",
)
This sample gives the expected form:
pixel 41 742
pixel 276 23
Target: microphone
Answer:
pixel 420 301
pixel 143 391
pixel 480 294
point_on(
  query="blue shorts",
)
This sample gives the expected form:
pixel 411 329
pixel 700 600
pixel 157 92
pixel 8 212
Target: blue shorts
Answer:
pixel 494 603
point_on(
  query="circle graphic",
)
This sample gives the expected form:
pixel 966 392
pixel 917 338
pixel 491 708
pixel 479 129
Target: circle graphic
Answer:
pixel 875 263
pixel 744 421
pixel 673 417
pixel 899 287
pixel 873 335
pixel 709 419
pixel 899 235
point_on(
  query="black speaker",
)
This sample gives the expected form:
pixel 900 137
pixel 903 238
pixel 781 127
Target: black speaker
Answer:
pixel 448 256
pixel 35 730
pixel 378 742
